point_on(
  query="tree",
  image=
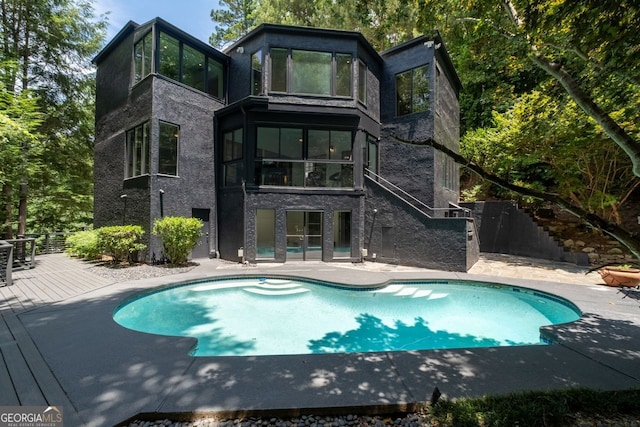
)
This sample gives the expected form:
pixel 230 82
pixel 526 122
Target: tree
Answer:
pixel 235 21
pixel 612 229
pixel 46 46
pixel 18 121
pixel 560 38
pixel 384 23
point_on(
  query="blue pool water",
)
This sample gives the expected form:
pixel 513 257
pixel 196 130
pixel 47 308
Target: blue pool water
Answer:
pixel 268 316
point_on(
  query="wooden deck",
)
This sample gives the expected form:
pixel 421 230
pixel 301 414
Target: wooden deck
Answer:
pixel 25 377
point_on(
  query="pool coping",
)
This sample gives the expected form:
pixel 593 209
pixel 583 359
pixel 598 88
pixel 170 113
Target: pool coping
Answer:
pixel 119 373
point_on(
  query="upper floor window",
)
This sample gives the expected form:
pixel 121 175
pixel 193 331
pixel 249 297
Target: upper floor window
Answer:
pixel 143 54
pixel 187 65
pixel 311 72
pixel 362 82
pixel 168 149
pixel 412 91
pixel 137 151
pixel 256 73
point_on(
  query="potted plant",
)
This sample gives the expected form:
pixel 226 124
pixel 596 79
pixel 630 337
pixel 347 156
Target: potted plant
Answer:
pixel 621 275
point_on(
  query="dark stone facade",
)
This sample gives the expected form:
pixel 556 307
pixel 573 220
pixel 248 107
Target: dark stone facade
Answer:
pixel 380 222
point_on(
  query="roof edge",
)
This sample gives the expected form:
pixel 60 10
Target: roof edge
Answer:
pixel 129 28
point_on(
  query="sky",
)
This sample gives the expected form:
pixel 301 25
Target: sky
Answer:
pixel 191 16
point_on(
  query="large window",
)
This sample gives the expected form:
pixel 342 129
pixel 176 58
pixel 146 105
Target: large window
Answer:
pixel 186 64
pixel 168 149
pixel 232 158
pixel 193 68
pixel 137 151
pixel 412 91
pixel 301 157
pixel 311 72
pixel 143 54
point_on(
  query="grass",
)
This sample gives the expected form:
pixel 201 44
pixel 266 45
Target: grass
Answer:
pixel 531 409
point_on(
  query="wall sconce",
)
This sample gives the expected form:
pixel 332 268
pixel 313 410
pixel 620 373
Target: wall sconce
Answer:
pixel 240 50
pixel 161 191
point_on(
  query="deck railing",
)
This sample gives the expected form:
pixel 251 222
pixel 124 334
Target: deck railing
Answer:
pixel 454 210
pixel 6 263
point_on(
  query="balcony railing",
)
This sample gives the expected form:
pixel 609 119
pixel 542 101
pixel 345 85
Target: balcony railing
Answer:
pixel 304 174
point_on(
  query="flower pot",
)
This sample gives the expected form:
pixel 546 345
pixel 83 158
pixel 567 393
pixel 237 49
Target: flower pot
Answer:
pixel 613 276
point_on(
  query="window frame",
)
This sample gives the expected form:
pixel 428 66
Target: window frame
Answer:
pixel 289 70
pixel 144 64
pixel 235 162
pixel 412 96
pixel 257 84
pixel 210 64
pixel 176 136
pixel 132 154
pixel 363 72
pixel 310 172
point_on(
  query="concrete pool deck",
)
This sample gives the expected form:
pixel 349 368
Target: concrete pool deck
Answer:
pixel 60 346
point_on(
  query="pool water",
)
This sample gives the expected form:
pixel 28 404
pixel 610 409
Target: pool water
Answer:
pixel 269 316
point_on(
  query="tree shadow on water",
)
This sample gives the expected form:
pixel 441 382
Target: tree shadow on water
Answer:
pixel 373 335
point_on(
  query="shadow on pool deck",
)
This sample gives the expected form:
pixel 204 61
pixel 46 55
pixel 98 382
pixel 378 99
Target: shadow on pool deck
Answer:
pixel 110 373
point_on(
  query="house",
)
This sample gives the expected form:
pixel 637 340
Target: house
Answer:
pixel 287 145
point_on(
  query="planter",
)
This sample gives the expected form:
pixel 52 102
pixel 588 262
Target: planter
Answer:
pixel 613 276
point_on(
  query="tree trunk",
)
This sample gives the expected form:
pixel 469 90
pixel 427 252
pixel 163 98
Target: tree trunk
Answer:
pixel 613 230
pixel 584 101
pixel 22 208
pixel 7 232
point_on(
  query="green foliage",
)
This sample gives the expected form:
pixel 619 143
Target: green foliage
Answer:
pixel 544 142
pixel 120 242
pixel 236 19
pixel 83 244
pixel 532 409
pixel 179 236
pixel 53 168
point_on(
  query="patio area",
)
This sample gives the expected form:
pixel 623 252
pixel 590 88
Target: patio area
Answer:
pixel 60 346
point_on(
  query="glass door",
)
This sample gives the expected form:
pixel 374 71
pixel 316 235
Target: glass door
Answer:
pixel 304 235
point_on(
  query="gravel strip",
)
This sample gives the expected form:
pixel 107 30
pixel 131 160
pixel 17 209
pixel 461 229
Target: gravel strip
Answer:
pixel 125 273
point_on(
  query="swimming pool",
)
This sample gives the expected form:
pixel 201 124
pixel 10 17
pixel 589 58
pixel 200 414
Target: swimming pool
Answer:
pixel 282 315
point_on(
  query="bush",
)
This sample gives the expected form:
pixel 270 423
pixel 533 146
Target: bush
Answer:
pixel 120 242
pixel 83 244
pixel 179 236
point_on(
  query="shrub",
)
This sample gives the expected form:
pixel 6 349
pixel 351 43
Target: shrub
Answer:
pixel 120 242
pixel 83 244
pixel 179 236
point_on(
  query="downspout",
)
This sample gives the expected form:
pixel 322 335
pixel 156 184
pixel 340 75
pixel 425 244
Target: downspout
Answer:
pixel 244 190
pixel 216 237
